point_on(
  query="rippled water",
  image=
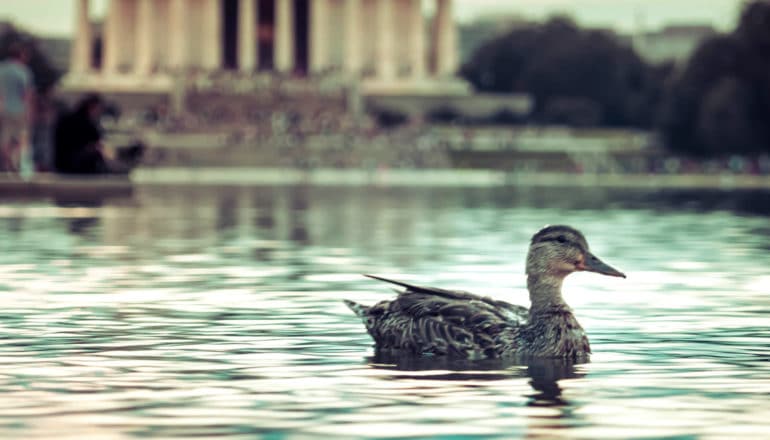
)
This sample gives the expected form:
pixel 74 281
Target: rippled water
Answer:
pixel 216 312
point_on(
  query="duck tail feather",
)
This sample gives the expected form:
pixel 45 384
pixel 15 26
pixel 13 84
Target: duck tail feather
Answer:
pixel 359 309
pixel 411 287
pixel 398 283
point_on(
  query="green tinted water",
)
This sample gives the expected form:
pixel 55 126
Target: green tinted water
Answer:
pixel 216 312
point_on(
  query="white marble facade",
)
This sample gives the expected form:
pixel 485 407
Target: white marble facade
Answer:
pixel 386 41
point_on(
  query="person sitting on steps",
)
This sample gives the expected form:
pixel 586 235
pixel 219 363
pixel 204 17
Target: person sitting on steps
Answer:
pixel 79 147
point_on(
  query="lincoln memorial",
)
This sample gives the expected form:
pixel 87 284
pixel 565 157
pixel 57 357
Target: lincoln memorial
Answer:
pixel 386 45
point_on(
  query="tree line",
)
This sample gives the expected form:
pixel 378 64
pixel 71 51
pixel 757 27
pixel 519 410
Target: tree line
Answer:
pixel 718 102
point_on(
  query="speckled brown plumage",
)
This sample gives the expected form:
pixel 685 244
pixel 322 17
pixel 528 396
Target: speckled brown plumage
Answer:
pixel 427 320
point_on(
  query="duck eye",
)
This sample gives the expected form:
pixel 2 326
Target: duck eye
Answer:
pixel 561 239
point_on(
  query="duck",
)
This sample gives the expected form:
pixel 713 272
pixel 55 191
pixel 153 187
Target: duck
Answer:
pixel 430 321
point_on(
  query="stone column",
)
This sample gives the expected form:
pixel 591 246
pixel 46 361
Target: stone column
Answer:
pixel 319 42
pixel 177 30
pixel 352 36
pixel 445 39
pixel 247 36
pixel 145 37
pixel 80 59
pixel 111 34
pixel 212 55
pixel 417 47
pixel 386 68
pixel 284 36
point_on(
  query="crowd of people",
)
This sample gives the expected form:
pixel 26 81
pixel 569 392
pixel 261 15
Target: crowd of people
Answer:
pixel 35 135
pixel 308 131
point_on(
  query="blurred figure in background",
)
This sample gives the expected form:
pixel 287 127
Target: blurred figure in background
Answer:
pixel 79 142
pixel 16 95
pixel 41 132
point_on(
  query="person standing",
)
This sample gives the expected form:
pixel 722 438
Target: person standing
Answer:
pixel 16 94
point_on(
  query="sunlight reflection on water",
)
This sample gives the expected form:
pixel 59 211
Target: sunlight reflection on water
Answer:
pixel 216 312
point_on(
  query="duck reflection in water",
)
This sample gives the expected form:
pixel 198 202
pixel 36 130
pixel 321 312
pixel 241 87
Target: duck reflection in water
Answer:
pixel 544 374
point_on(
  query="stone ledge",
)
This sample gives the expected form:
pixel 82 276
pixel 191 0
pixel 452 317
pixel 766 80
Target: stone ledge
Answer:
pixel 65 186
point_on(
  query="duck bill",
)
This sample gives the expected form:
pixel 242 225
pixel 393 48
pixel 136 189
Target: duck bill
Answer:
pixel 594 264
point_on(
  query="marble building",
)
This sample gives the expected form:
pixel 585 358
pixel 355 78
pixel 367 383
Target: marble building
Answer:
pixel 385 45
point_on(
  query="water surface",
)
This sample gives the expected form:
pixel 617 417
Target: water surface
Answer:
pixel 216 312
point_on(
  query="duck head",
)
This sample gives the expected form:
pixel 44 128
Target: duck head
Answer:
pixel 557 251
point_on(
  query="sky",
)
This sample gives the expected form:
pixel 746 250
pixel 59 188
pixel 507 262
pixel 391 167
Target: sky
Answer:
pixel 56 17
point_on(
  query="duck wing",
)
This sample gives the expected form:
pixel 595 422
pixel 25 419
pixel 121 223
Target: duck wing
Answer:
pixel 439 321
pixel 505 309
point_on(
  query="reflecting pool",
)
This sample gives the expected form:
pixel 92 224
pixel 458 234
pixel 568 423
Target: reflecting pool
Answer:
pixel 216 312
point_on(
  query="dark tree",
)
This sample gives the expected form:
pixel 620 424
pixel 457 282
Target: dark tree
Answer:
pixel 719 103
pixel 576 76
pixel 45 75
pixel 724 118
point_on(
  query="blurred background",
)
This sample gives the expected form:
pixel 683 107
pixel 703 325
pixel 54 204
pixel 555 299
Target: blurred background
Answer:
pixel 274 150
pixel 598 87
